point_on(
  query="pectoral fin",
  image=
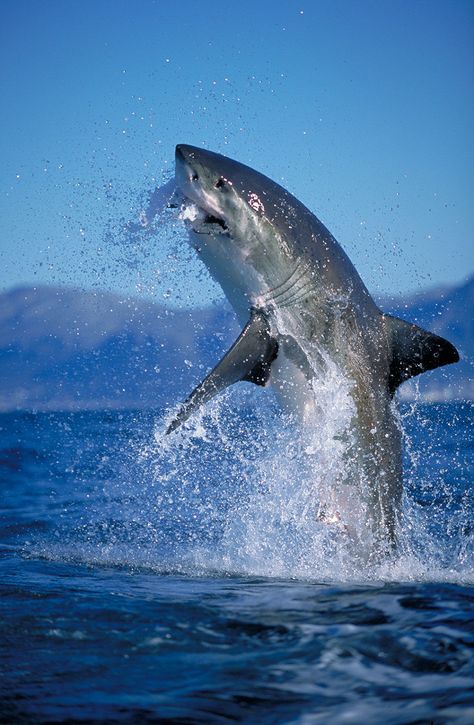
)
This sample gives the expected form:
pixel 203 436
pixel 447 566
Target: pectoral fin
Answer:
pixel 415 350
pixel 249 358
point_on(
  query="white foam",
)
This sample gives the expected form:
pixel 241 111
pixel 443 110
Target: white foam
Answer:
pixel 273 528
pixel 190 212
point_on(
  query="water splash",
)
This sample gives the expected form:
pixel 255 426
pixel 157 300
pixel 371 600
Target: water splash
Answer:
pixel 238 491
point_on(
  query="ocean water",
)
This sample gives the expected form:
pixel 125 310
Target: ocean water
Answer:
pixel 186 579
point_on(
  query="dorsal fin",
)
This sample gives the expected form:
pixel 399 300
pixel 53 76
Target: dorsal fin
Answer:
pixel 249 358
pixel 415 351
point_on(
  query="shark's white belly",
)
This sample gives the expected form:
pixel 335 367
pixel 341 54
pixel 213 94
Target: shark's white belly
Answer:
pixel 292 389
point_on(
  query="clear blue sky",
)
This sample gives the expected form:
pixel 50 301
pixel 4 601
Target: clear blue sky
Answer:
pixel 364 110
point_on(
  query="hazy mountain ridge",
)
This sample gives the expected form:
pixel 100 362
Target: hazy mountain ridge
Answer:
pixel 67 349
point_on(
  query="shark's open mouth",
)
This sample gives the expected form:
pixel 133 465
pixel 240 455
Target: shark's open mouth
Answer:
pixel 210 219
pixel 200 220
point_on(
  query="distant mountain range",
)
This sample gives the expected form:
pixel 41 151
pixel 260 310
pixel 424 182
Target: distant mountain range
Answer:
pixel 67 349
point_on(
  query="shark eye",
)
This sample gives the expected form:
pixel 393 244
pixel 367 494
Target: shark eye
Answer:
pixel 222 183
pixel 194 177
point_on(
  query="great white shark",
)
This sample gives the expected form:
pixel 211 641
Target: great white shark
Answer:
pixel 303 308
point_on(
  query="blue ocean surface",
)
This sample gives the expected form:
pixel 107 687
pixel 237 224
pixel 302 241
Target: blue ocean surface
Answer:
pixel 150 578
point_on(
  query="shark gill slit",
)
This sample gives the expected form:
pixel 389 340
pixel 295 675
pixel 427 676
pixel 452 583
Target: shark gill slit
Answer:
pixel 290 291
pixel 281 288
pixel 300 294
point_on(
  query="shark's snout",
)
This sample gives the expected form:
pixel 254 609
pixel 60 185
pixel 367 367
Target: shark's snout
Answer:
pixel 212 165
pixel 185 149
pixel 197 178
pixel 179 151
pixel 186 154
pixel 187 176
pixel 183 156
